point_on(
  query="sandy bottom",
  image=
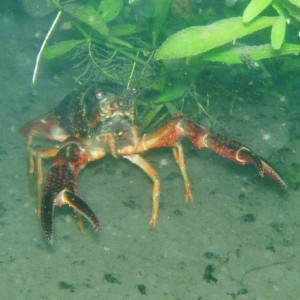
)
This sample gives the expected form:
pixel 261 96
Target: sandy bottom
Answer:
pixel 239 239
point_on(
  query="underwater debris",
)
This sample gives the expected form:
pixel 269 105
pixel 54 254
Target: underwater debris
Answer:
pixel 66 286
pixel 208 276
pixel 241 291
pixel 111 278
pixel 141 288
pixel 249 218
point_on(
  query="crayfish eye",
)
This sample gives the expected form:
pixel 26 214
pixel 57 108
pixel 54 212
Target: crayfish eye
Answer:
pixel 99 94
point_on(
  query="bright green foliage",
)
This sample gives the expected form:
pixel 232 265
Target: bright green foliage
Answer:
pixel 87 15
pixel 61 48
pixel 110 9
pixel 278 32
pixel 291 8
pixel 162 46
pixel 234 55
pixel 198 39
pixel 160 14
pixel 254 8
pixel 295 2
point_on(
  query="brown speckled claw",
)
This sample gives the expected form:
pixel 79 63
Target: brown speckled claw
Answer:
pixel 241 154
pixel 62 198
pixel 246 156
pixel 58 191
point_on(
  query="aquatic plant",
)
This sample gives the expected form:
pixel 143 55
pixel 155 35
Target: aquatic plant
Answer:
pixel 162 46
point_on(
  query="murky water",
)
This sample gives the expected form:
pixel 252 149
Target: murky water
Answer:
pixel 239 240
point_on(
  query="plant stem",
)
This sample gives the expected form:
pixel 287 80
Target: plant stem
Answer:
pixel 37 61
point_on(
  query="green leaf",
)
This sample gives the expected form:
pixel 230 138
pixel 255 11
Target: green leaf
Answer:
pixel 161 12
pixel 293 10
pixel 295 2
pixel 61 48
pixel 234 55
pixel 171 94
pixel 278 32
pixel 110 9
pixel 254 8
pixel 126 29
pixel 148 119
pixel 199 39
pixel 87 15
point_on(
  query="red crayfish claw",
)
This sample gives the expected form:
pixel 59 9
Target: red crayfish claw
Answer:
pixel 59 190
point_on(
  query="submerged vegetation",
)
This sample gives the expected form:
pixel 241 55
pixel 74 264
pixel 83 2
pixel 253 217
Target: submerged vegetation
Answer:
pixel 166 47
